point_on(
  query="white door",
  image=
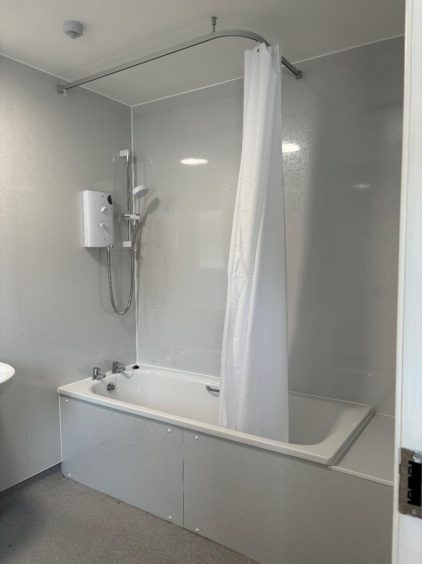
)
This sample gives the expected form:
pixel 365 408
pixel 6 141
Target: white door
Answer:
pixel 407 544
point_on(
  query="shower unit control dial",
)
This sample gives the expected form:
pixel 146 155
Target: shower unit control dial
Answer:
pixel 98 218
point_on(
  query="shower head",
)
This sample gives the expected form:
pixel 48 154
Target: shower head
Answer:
pixel 140 191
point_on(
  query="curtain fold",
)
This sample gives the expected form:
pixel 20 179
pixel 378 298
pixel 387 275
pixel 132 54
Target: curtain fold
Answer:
pixel 254 387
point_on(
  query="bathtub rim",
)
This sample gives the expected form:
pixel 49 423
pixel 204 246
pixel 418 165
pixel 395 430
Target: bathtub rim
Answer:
pixel 326 452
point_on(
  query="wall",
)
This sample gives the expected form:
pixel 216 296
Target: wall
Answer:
pixel 55 318
pixel 343 206
pixel 185 242
pixel 342 213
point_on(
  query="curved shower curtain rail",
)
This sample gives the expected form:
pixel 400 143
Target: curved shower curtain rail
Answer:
pixel 62 88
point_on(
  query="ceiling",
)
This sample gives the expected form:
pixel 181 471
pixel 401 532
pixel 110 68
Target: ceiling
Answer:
pixel 117 31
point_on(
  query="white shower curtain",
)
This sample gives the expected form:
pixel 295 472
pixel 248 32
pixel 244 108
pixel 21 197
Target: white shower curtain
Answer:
pixel 254 392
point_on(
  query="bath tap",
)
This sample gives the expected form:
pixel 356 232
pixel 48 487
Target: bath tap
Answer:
pixel 97 374
pixel 120 368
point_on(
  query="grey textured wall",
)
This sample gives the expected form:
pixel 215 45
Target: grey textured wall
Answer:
pixel 343 208
pixel 342 215
pixel 55 318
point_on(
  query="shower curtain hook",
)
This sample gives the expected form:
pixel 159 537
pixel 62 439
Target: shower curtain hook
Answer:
pixel 213 23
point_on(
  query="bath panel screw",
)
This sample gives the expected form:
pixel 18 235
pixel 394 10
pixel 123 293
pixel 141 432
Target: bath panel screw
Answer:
pixel 169 430
pixel 196 530
pixel 170 517
pixel 196 437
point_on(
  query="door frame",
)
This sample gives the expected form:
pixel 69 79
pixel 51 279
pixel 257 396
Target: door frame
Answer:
pixel 407 530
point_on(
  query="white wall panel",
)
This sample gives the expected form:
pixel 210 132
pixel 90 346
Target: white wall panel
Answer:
pixel 55 315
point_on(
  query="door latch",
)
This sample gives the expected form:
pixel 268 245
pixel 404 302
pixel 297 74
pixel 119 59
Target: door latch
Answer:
pixel 410 490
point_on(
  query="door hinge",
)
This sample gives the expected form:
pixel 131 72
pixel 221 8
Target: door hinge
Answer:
pixel 410 489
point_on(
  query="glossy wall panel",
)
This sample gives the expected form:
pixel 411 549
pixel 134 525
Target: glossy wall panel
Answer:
pixel 342 214
pixel 342 188
pixel 55 318
pixel 185 243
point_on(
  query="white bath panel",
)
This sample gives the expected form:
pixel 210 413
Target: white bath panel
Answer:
pixel 278 509
pixel 128 457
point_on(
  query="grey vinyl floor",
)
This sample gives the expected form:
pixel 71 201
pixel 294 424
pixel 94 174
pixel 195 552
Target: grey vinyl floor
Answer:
pixel 52 520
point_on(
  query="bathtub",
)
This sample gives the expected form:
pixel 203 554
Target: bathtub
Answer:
pixel 320 429
pixel 153 441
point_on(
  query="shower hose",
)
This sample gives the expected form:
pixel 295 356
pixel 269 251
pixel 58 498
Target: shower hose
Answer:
pixel 132 274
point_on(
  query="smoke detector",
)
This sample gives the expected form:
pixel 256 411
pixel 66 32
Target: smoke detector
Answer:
pixel 73 28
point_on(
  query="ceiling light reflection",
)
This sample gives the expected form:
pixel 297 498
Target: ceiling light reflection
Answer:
pixel 290 148
pixel 192 161
pixel 361 186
